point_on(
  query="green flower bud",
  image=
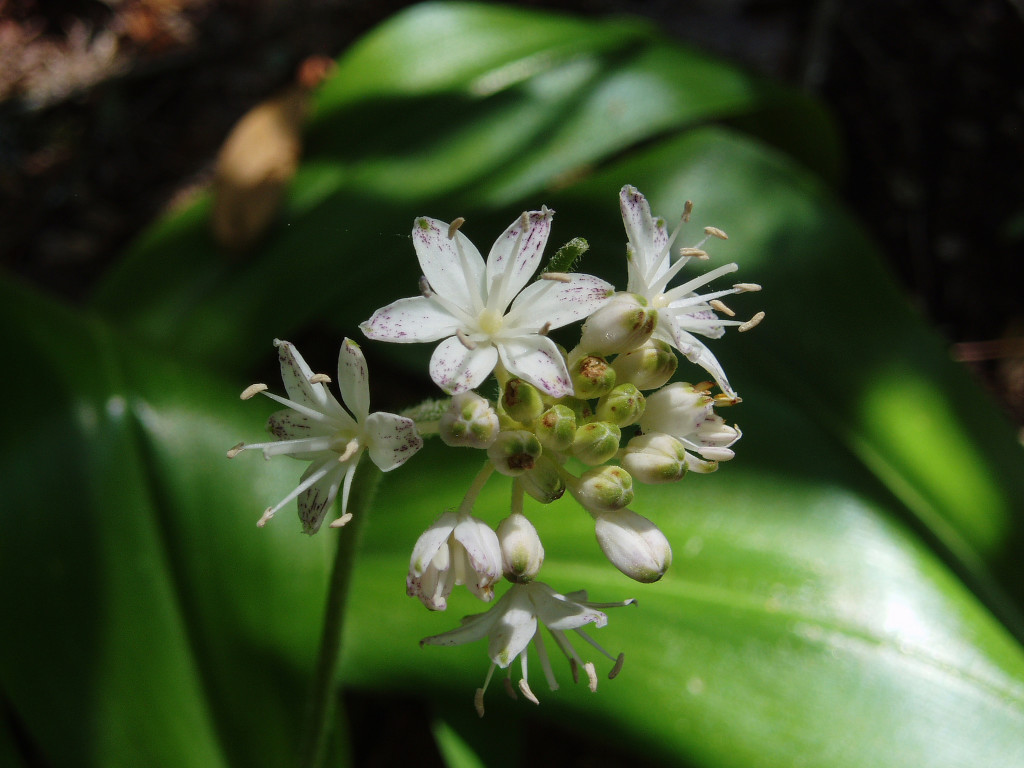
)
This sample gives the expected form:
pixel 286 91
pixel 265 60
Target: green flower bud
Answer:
pixel 648 367
pixel 514 452
pixel 604 489
pixel 521 551
pixel 522 401
pixel 591 376
pixel 596 442
pixel 655 458
pixel 581 408
pixel 623 406
pixel 556 428
pixel 622 324
pixel 544 482
pixel 469 421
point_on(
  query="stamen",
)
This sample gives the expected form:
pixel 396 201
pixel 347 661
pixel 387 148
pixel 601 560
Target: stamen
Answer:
pixel 350 448
pixel 704 386
pixel 425 290
pixel 722 399
pixel 591 676
pixel 694 253
pixel 462 337
pixel 341 521
pixel 618 666
pixel 752 322
pixel 236 450
pixel 715 232
pixel 745 287
pixel 319 378
pixel 545 661
pixel 252 390
pixel 687 210
pixel 561 277
pixel 510 690
pixel 454 227
pixel 575 669
pixel 267 514
pixel 524 687
pixel 544 329
pixel 718 305
pixel 478 702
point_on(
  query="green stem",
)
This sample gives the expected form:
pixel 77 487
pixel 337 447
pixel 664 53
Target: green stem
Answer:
pixel 320 706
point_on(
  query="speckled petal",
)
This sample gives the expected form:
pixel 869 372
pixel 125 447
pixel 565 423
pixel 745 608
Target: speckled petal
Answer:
pixel 513 259
pixel 296 375
pixel 454 368
pixel 558 612
pixel 411 320
pixel 557 303
pixel 353 380
pixel 391 440
pixel 317 499
pixel 537 359
pixel 458 278
pixel 694 350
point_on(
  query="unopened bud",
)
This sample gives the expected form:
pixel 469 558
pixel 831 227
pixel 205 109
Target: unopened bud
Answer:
pixel 622 324
pixel 633 544
pixel 521 551
pixel 655 458
pixel 581 408
pixel 596 442
pixel 469 421
pixel 604 489
pixel 649 367
pixel 544 482
pixel 522 401
pixel 513 452
pixel 556 428
pixel 592 376
pixel 623 406
pixel 678 409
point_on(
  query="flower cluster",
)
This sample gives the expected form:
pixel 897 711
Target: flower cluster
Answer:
pixel 591 420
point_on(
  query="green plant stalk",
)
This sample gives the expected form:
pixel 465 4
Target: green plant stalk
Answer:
pixel 320 706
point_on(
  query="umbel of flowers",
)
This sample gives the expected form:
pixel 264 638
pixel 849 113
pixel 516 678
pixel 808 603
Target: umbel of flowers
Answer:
pixel 595 421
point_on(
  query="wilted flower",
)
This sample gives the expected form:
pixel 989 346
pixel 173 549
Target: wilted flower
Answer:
pixel 457 549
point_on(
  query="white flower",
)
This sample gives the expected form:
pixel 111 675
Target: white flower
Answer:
pixel 315 428
pixel 515 620
pixel 681 311
pixel 457 549
pixel 687 413
pixel 466 302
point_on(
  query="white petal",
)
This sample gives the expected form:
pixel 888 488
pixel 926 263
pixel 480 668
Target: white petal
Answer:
pixel 558 612
pixel 694 350
pixel 515 256
pixel 482 548
pixel 414 319
pixel 514 628
pixel 459 278
pixel 645 235
pixel 353 380
pixel 454 368
pixel 537 359
pixel 317 499
pixel 557 303
pixel 288 424
pixel 296 375
pixel 473 627
pixel 391 439
pixel 430 541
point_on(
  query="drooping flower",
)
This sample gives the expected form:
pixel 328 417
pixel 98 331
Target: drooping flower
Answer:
pixel 315 428
pixel 466 304
pixel 686 412
pixel 457 549
pixel 682 312
pixel 515 620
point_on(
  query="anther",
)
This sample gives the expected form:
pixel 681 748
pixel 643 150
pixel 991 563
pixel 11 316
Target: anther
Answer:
pixel 752 322
pixel 524 687
pixel 722 399
pixel 236 450
pixel 319 378
pixel 341 521
pixel 747 287
pixel 267 514
pixel 591 676
pixel 715 232
pixel 618 666
pixel 478 702
pixel 454 227
pixel 704 386
pixel 687 210
pixel 462 337
pixel 425 290
pixel 720 306
pixel 350 449
pixel 560 277
pixel 252 390
pixel 545 328
pixel 694 253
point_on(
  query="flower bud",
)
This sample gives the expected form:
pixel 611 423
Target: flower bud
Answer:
pixel 622 324
pixel 596 442
pixel 591 376
pixel 556 428
pixel 514 452
pixel 469 421
pixel 655 458
pixel 581 408
pixel 633 544
pixel 678 409
pixel 649 367
pixel 521 551
pixel 604 489
pixel 522 401
pixel 623 406
pixel 544 482
pixel 456 549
